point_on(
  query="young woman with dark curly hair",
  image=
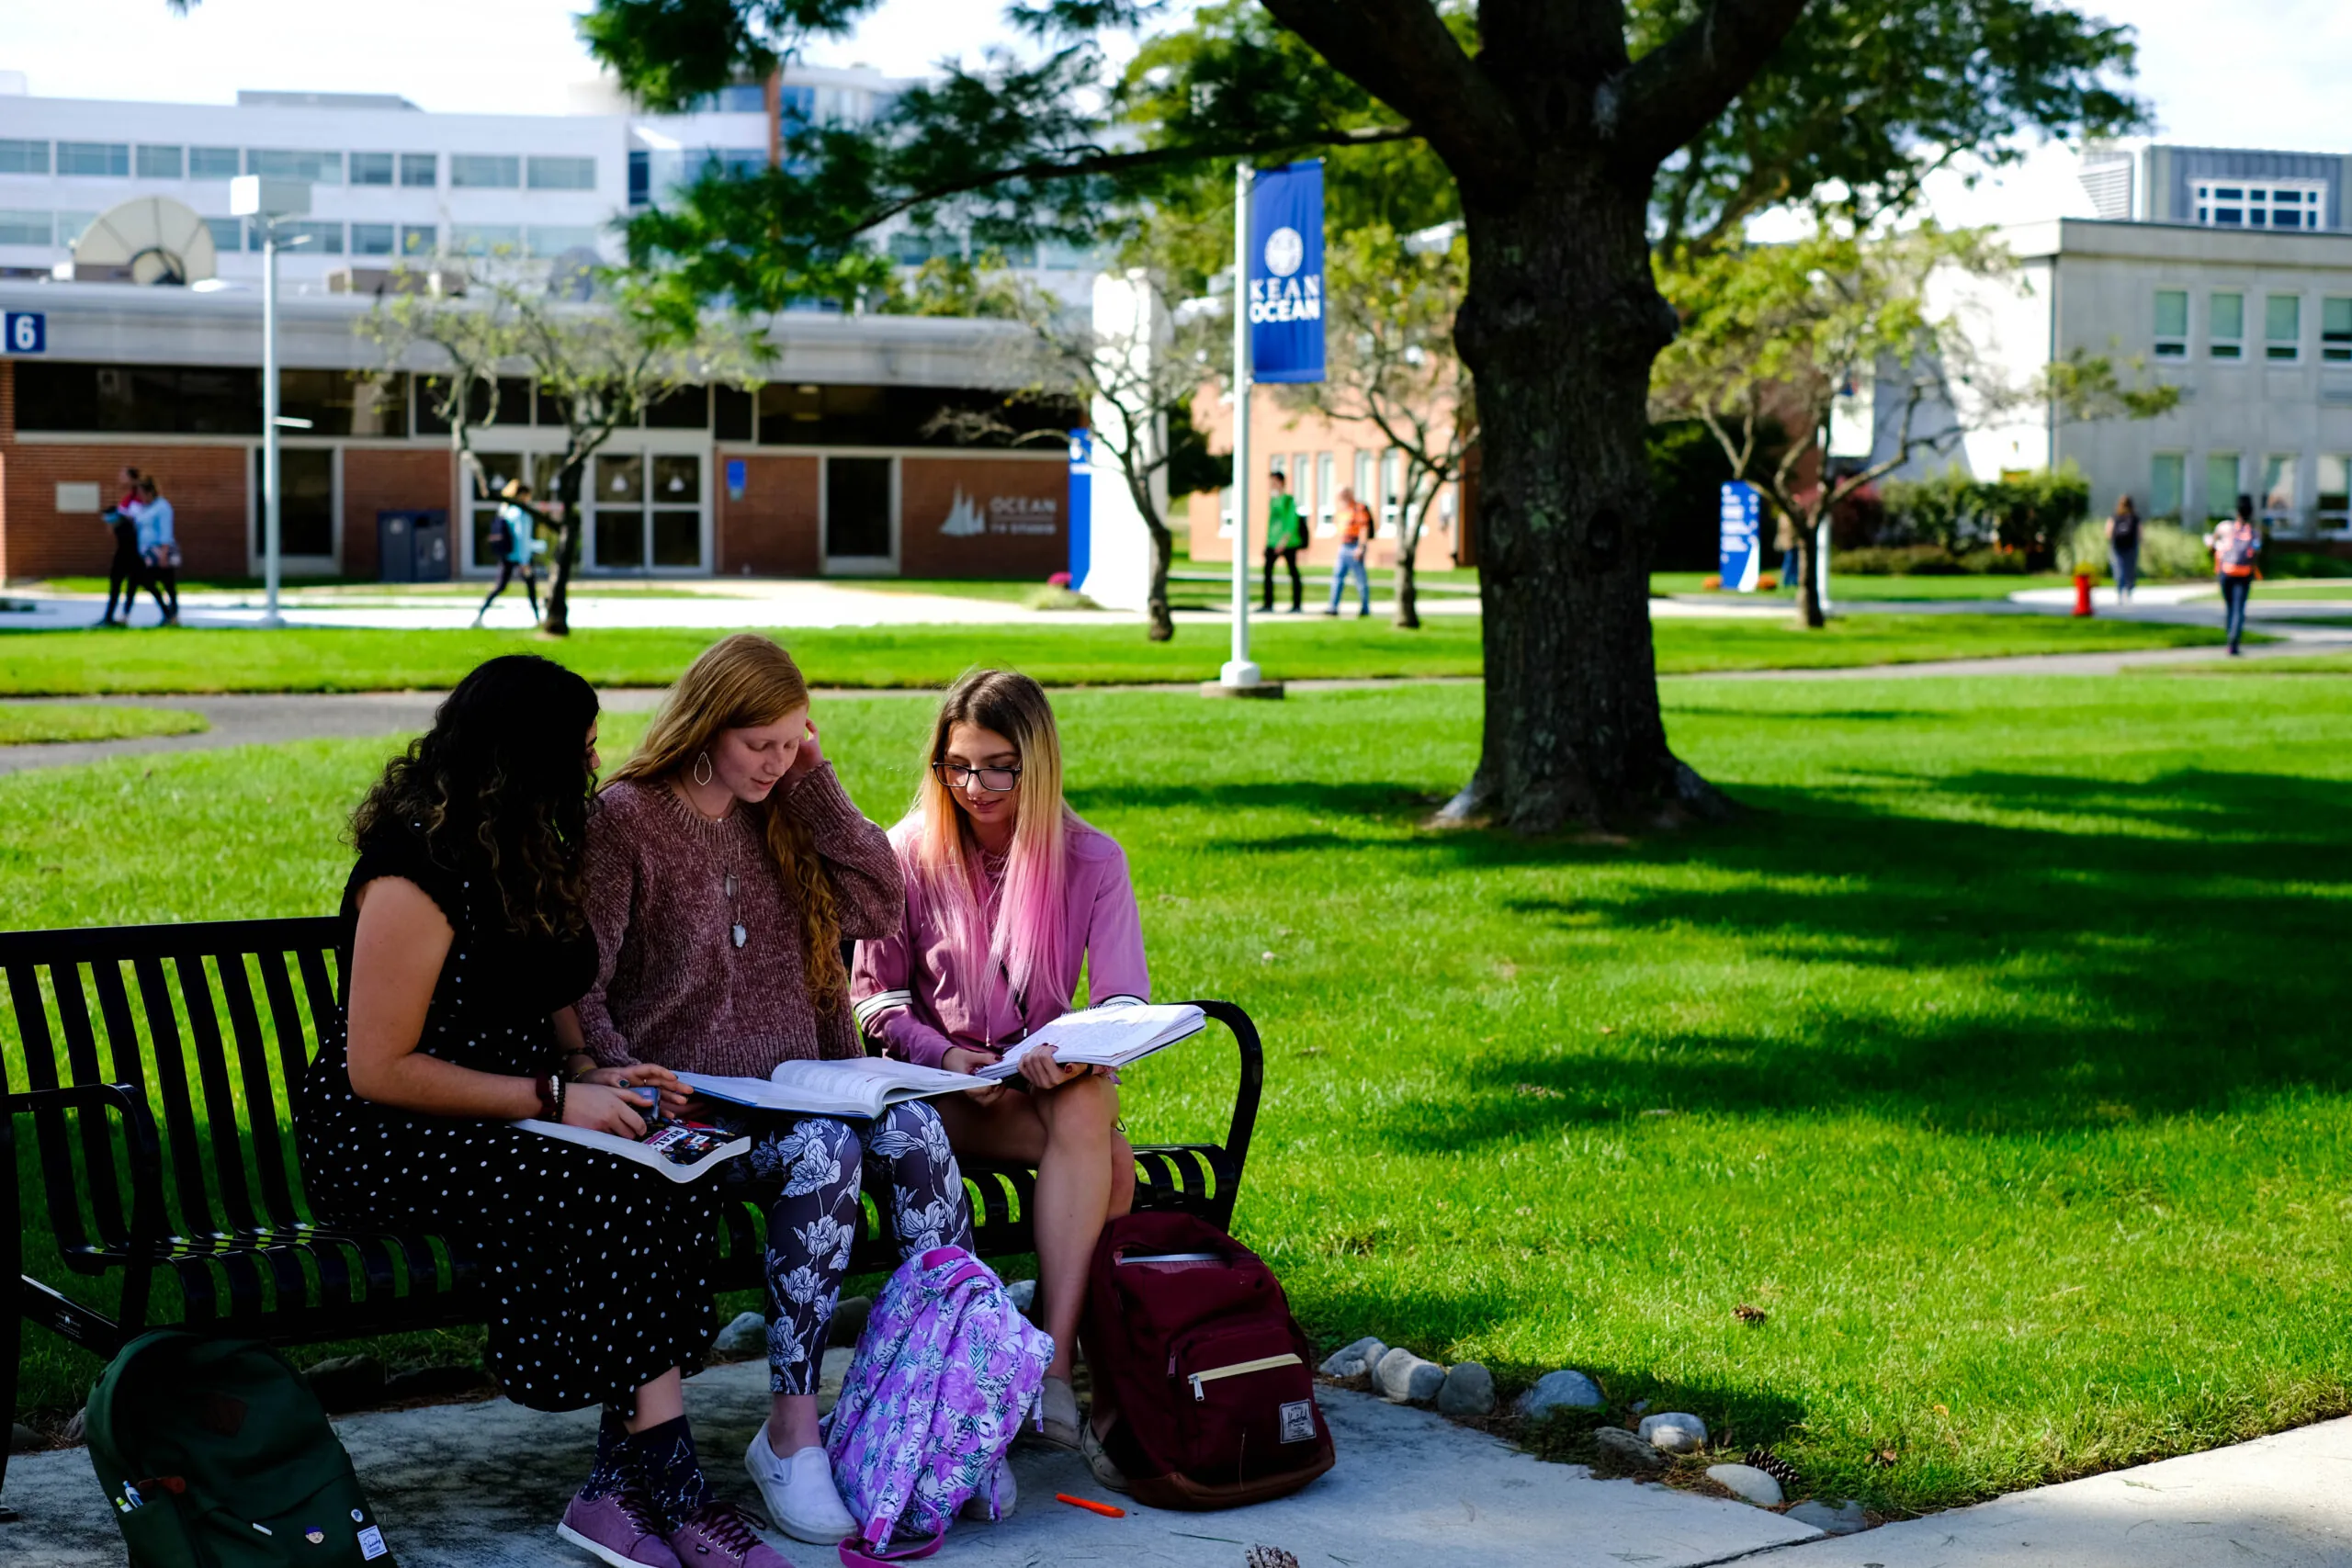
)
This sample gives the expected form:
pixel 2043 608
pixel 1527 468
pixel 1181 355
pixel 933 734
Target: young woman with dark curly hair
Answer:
pixel 466 948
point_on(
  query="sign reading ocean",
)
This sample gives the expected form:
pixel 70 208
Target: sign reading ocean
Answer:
pixel 1743 529
pixel 1286 273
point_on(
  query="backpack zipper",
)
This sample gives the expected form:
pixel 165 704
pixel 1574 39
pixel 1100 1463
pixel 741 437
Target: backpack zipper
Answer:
pixel 1264 1363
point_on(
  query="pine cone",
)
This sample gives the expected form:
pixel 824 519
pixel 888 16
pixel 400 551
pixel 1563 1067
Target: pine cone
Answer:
pixel 1774 1465
pixel 1748 1314
pixel 1271 1557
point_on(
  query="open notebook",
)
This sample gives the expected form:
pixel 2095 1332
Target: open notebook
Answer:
pixel 1106 1036
pixel 856 1086
pixel 679 1150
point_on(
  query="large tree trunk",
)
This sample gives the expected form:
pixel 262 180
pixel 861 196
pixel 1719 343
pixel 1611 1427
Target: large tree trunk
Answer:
pixel 567 553
pixel 1559 326
pixel 1808 614
pixel 1408 597
pixel 1163 550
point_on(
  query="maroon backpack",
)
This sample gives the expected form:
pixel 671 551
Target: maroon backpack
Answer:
pixel 1214 1380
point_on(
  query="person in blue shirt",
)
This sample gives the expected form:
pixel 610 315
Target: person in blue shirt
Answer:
pixel 159 550
pixel 512 540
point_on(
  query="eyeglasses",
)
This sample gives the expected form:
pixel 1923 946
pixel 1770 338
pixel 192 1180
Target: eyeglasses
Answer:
pixel 996 781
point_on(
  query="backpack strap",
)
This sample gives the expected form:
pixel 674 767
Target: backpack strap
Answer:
pixel 856 1554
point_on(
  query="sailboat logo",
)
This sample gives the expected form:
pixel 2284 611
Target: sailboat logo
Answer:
pixel 964 519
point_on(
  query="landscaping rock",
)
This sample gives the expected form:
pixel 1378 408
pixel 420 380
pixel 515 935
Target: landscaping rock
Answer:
pixel 745 1336
pixel 851 1311
pixel 1360 1357
pixel 77 1430
pixel 1023 1293
pixel 1746 1482
pixel 23 1439
pixel 1404 1378
pixel 1621 1449
pixel 1564 1390
pixel 1468 1390
pixel 347 1382
pixel 437 1383
pixel 1675 1431
pixel 1846 1520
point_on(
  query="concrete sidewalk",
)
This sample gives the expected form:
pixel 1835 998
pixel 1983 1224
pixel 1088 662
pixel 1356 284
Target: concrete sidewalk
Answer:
pixel 482 1485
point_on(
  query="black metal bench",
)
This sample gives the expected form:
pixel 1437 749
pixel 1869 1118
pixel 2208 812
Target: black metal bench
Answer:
pixel 157 1066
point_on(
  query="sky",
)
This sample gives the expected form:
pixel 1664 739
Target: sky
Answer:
pixel 2252 72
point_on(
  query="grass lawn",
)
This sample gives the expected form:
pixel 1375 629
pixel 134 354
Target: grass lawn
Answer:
pixel 2310 588
pixel 1854 586
pixel 21 723
pixel 338 660
pixel 1996 1055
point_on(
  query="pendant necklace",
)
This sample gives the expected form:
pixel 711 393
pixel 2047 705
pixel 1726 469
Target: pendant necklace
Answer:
pixel 735 932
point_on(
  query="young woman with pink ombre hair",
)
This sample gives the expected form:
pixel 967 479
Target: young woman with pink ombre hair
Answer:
pixel 1009 894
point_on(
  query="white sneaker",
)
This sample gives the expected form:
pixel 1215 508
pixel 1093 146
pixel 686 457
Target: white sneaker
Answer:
pixel 798 1492
pixel 1008 1496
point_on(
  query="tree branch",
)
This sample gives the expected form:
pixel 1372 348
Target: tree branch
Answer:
pixel 1672 93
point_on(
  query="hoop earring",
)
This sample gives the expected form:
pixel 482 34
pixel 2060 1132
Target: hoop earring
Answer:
pixel 701 769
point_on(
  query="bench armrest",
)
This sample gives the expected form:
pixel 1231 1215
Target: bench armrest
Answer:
pixel 1245 1095
pixel 145 1153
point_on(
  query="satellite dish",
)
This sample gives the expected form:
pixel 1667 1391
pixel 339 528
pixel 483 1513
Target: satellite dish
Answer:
pixel 149 239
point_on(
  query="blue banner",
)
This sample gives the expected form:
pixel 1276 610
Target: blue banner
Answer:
pixel 1082 506
pixel 1743 529
pixel 1286 273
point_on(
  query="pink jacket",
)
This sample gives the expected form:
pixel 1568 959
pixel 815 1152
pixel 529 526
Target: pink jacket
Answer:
pixel 911 993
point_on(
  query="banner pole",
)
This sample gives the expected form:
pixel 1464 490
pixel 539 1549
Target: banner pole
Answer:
pixel 1238 670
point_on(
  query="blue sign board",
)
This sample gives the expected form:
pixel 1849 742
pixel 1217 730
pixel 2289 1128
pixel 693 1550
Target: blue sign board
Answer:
pixel 1082 506
pixel 735 476
pixel 1743 520
pixel 1286 274
pixel 24 332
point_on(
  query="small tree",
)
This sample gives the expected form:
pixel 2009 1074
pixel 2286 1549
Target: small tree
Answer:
pixel 1391 363
pixel 601 365
pixel 1772 335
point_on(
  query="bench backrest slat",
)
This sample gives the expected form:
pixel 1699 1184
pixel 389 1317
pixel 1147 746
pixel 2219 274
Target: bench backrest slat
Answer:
pixel 221 1109
pixel 82 1061
pixel 186 1191
pixel 269 1117
pixel 25 997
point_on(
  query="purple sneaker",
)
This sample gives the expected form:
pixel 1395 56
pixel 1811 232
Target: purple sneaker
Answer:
pixel 618 1527
pixel 720 1534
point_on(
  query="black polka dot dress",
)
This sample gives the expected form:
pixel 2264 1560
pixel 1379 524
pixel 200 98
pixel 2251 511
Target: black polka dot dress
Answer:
pixel 594 1272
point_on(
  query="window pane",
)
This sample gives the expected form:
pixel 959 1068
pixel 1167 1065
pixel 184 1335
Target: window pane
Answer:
pixel 2164 484
pixel 2334 482
pixel 420 169
pixel 24 157
pixel 485 238
pixel 677 481
pixel 318 238
pixel 27 228
pixel 564 173
pixel 2335 319
pixel 677 538
pixel 419 239
pixel 735 411
pixel 2282 318
pixel 683 408
pixel 2227 317
pixel 2221 484
pixel 2171 313
pixel 371 168
pixel 619 480
pixel 858 507
pixel 619 539
pixel 306 501
pixel 212 163
pixel 228 234
pixel 544 240
pixel 280 163
pixel 71 224
pixel 162 163
pixel 485 171
pixel 372 238
pixel 2278 482
pixel 111 159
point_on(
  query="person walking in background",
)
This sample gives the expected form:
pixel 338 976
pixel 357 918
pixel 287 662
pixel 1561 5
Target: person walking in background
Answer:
pixel 159 551
pixel 1355 544
pixel 1784 539
pixel 122 572
pixel 2123 548
pixel 2236 544
pixel 1286 536
pixel 512 541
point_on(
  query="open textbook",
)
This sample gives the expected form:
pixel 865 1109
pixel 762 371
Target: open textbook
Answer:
pixel 679 1150
pixel 855 1085
pixel 1109 1036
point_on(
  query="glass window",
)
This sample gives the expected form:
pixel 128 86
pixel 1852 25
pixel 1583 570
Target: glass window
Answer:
pixel 796 105
pixel 316 239
pixel 2225 326
pixel 2283 327
pixel 280 163
pixel 2290 204
pixel 677 479
pixel 228 234
pixel 734 411
pixel 544 239
pixel 109 159
pixel 1327 479
pixel 53 395
pixel 346 402
pixel 371 168
pixel 619 480
pixel 2166 475
pixel 421 169
pixel 373 240
pixel 162 163
pixel 485 171
pixel 24 157
pixel 1392 489
pixel 305 501
pixel 682 408
pixel 2336 330
pixel 2334 492
pixel 2278 499
pixel 2172 323
pixel 641 177
pixel 1365 493
pixel 71 224
pixel 1224 510
pixel 514 406
pixel 419 239
pixel 28 228
pixel 212 163
pixel 563 173
pixel 2221 484
pixel 485 238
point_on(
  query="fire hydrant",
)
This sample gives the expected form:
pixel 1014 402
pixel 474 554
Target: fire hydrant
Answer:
pixel 2082 593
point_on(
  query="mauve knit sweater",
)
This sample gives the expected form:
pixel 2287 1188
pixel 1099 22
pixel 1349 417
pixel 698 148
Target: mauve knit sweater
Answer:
pixel 671 987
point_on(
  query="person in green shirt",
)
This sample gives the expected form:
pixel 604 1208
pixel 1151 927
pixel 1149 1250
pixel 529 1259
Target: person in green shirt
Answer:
pixel 1286 536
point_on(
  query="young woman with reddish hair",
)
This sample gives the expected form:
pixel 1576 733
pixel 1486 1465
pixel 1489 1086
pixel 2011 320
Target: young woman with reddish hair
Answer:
pixel 1009 894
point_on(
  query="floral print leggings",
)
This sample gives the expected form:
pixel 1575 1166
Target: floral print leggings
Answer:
pixel 809 1172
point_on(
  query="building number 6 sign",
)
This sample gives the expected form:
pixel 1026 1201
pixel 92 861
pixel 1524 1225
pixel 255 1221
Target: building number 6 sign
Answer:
pixel 24 332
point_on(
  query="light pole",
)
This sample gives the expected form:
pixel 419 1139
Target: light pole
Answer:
pixel 268 202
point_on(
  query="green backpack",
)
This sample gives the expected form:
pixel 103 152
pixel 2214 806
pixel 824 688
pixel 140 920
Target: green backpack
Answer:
pixel 216 1454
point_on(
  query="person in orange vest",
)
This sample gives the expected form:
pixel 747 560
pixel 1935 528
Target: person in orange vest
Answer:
pixel 1355 544
pixel 2236 544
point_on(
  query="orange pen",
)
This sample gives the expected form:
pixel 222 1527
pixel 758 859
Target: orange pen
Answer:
pixel 1104 1509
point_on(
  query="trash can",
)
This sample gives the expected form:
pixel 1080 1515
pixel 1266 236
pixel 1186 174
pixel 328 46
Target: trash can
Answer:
pixel 412 546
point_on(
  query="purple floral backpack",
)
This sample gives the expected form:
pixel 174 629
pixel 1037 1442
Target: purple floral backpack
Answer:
pixel 943 1373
